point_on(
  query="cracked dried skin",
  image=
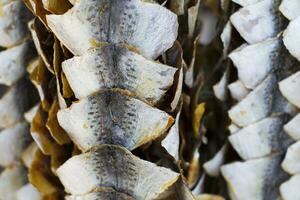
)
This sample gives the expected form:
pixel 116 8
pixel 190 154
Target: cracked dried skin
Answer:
pixel 103 195
pixel 13 142
pixel 149 28
pixel 110 166
pixel 113 117
pixel 114 66
pixel 13 20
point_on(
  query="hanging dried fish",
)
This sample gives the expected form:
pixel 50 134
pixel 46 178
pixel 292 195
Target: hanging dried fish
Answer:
pixel 116 67
pixel 115 167
pixel 258 118
pixel 17 96
pixel 112 117
pixel 289 88
pixel 118 84
pixel 148 28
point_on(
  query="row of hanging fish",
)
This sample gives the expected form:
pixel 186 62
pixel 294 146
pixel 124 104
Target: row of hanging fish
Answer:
pixel 289 88
pixel 263 120
pixel 119 91
pixel 17 97
pixel 111 76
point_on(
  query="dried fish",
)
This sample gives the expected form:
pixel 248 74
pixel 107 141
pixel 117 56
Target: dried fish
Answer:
pixel 116 67
pixel 115 167
pixel 28 192
pixel 258 118
pixel 149 28
pixel 260 178
pixel 11 180
pixel 121 119
pixel 118 84
pixel 17 96
pixel 289 87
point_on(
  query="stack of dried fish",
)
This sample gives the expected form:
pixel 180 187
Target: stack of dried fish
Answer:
pixel 289 88
pixel 128 109
pixel 17 96
pixel 261 111
pixel 110 96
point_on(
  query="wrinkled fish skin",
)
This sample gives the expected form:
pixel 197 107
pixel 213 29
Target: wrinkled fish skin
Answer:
pixel 110 166
pixel 110 117
pixel 17 51
pixel 264 57
pixel 115 44
pixel 113 66
pixel 148 27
